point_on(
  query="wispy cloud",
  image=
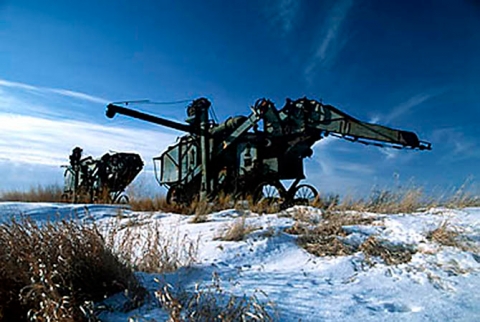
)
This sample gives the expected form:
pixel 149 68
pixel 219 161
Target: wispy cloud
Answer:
pixel 47 90
pixel 38 134
pixel 389 154
pixel 459 146
pixel 10 103
pixel 43 141
pixel 398 111
pixel 329 43
pixel 282 15
pixel 331 168
pixel 407 106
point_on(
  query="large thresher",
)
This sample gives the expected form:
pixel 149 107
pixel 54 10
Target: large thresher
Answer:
pixel 252 155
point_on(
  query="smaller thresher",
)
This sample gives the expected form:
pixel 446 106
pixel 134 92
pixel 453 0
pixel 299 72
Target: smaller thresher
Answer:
pixel 104 179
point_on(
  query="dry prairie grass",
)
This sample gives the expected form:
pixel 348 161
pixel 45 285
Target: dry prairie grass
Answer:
pixel 151 247
pixel 391 254
pixel 55 271
pixel 236 231
pixel 212 304
pixel 395 200
pixel 159 203
pixel 448 235
pixel 51 193
pixel 201 208
pixel 322 245
pixel 405 201
pixel 385 201
pixel 461 198
pixel 325 237
pixel 444 235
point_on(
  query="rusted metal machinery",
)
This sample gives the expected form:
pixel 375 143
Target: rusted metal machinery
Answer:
pixel 237 158
pixel 100 180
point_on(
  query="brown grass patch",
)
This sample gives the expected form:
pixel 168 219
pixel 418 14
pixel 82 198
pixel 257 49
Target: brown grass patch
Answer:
pixel 236 231
pixel 385 201
pixel 50 193
pixel 410 199
pixel 391 254
pixel 324 238
pixel 159 203
pixel 151 247
pixel 213 303
pixel 444 235
pixel 319 245
pixel 448 235
pixel 52 272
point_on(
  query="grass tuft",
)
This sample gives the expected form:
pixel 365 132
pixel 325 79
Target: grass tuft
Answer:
pixel 237 231
pixel 213 304
pixel 151 247
pixel 444 235
pixel 449 235
pixel 391 254
pixel 54 272
pixel 325 237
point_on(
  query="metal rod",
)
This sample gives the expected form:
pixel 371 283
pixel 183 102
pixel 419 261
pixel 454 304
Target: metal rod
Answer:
pixel 113 109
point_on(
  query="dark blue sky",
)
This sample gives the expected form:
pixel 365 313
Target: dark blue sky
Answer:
pixel 407 64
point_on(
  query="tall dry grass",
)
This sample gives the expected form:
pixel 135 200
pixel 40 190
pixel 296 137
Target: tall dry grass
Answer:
pixel 54 272
pixel 386 201
pixel 447 234
pixel 403 200
pixel 211 303
pixel 50 193
pixel 327 238
pixel 398 199
pixel 236 231
pixel 151 247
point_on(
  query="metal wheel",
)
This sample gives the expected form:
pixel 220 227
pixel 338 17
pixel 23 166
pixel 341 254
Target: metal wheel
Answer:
pixel 305 194
pixel 269 192
pixel 122 199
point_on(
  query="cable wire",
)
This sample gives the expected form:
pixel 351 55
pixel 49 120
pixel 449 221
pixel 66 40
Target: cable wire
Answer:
pixel 213 114
pixel 153 102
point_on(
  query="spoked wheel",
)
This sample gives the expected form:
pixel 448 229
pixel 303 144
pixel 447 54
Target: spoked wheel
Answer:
pixel 305 194
pixel 122 199
pixel 270 194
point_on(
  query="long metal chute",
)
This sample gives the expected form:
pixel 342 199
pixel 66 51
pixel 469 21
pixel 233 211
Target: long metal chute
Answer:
pixel 113 109
pixel 329 119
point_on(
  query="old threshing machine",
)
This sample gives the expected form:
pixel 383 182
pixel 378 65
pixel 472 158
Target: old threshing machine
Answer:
pixel 100 180
pixel 251 155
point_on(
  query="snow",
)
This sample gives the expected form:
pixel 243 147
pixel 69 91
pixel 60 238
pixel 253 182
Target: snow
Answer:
pixel 440 283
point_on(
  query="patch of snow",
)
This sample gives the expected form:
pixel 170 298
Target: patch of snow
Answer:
pixel 439 283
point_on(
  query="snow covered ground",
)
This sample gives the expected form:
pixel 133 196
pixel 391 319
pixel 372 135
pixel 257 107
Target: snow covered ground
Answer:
pixel 440 283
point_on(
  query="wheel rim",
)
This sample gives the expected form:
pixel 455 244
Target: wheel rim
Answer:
pixel 269 192
pixel 305 194
pixel 123 199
